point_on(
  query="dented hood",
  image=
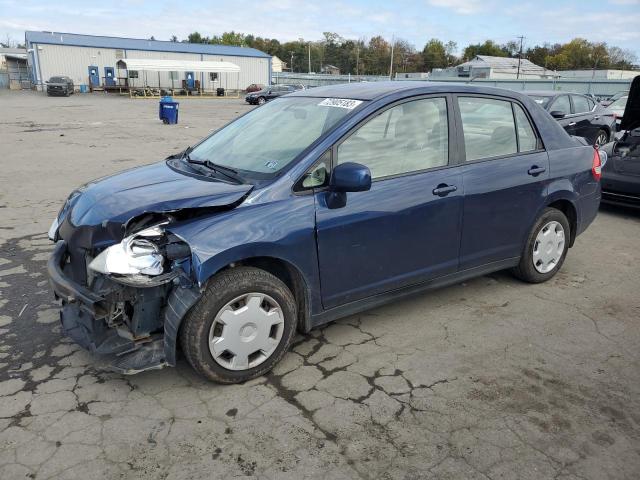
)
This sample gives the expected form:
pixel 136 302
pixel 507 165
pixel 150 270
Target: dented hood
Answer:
pixel 153 188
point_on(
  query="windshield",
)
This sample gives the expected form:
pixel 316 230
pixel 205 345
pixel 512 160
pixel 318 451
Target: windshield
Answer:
pixel 541 100
pixel 57 80
pixel 267 139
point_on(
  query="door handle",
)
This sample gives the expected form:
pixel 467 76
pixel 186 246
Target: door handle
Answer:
pixel 442 190
pixel 535 170
pixel 597 117
pixel 571 124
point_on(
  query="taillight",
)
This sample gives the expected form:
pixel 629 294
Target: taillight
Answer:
pixel 596 166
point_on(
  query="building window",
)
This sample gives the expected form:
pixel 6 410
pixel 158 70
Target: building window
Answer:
pixel 173 75
pixel 213 76
pixel 133 74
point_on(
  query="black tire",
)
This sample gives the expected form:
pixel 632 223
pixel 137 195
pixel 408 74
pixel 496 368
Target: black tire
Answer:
pixel 262 100
pixel 602 134
pixel 221 289
pixel 526 270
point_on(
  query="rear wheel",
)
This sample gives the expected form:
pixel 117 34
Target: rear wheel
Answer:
pixel 261 100
pixel 241 327
pixel 546 247
pixel 601 138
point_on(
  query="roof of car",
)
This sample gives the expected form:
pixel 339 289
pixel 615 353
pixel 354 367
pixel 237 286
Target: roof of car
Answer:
pixel 542 93
pixel 373 90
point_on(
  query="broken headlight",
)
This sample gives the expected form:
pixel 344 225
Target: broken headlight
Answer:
pixel 141 256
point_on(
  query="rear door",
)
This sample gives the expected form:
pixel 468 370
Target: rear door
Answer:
pixel 583 117
pixel 406 228
pixel 504 176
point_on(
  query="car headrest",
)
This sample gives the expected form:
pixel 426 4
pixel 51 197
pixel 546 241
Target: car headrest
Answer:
pixel 503 135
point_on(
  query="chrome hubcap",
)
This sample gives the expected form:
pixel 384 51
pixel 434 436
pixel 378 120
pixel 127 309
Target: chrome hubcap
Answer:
pixel 601 140
pixel 548 247
pixel 246 331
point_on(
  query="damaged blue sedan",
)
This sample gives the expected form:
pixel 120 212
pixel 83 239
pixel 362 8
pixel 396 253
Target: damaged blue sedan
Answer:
pixel 320 204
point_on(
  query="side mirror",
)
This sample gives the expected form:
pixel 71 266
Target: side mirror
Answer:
pixel 557 114
pixel 350 177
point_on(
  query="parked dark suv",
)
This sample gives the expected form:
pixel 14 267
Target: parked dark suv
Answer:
pixel 579 115
pixel 60 86
pixel 355 195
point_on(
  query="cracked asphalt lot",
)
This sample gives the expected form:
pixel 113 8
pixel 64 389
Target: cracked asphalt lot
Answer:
pixel 489 379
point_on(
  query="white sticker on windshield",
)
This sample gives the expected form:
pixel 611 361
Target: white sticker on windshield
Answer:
pixel 340 103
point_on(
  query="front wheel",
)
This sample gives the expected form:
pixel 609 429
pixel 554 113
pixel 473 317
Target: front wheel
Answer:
pixel 601 138
pixel 546 247
pixel 241 327
pixel 262 100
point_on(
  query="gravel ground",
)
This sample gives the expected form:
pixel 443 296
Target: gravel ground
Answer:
pixel 491 378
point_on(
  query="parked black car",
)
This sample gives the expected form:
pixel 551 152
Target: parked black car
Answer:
pixel 60 86
pixel 621 174
pixel 613 98
pixel 270 92
pixel 578 114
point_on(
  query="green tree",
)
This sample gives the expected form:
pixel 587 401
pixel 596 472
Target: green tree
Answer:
pixel 195 37
pixel 434 55
pixel 232 38
pixel 489 47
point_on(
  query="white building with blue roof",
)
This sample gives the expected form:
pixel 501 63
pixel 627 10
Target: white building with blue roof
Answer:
pixel 100 61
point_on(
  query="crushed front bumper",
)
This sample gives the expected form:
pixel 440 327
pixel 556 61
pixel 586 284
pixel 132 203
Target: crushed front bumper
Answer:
pixel 136 328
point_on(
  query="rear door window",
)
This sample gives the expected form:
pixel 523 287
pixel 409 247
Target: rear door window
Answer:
pixel 488 127
pixel 561 104
pixel 527 140
pixel 580 104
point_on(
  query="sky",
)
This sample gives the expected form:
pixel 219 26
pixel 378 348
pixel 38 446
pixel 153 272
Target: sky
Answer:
pixel 464 21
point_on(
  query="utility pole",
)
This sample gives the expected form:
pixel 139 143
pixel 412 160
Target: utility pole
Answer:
pixel 393 41
pixel 519 56
pixel 309 57
pixel 291 64
pixel 358 58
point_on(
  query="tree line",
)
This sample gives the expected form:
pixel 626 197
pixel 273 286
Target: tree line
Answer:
pixel 373 56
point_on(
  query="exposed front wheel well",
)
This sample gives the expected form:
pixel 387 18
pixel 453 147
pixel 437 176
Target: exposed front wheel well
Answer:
pixel 289 275
pixel 566 207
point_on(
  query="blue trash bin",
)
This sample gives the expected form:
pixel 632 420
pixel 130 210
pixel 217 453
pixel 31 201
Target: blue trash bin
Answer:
pixel 169 112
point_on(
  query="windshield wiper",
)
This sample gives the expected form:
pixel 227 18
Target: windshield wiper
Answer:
pixel 221 169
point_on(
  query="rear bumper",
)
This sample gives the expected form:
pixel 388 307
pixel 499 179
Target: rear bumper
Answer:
pixel 96 321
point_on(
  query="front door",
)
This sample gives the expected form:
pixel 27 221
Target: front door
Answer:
pixel 505 179
pixel 190 79
pixel 94 76
pixel 109 76
pixel 404 230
